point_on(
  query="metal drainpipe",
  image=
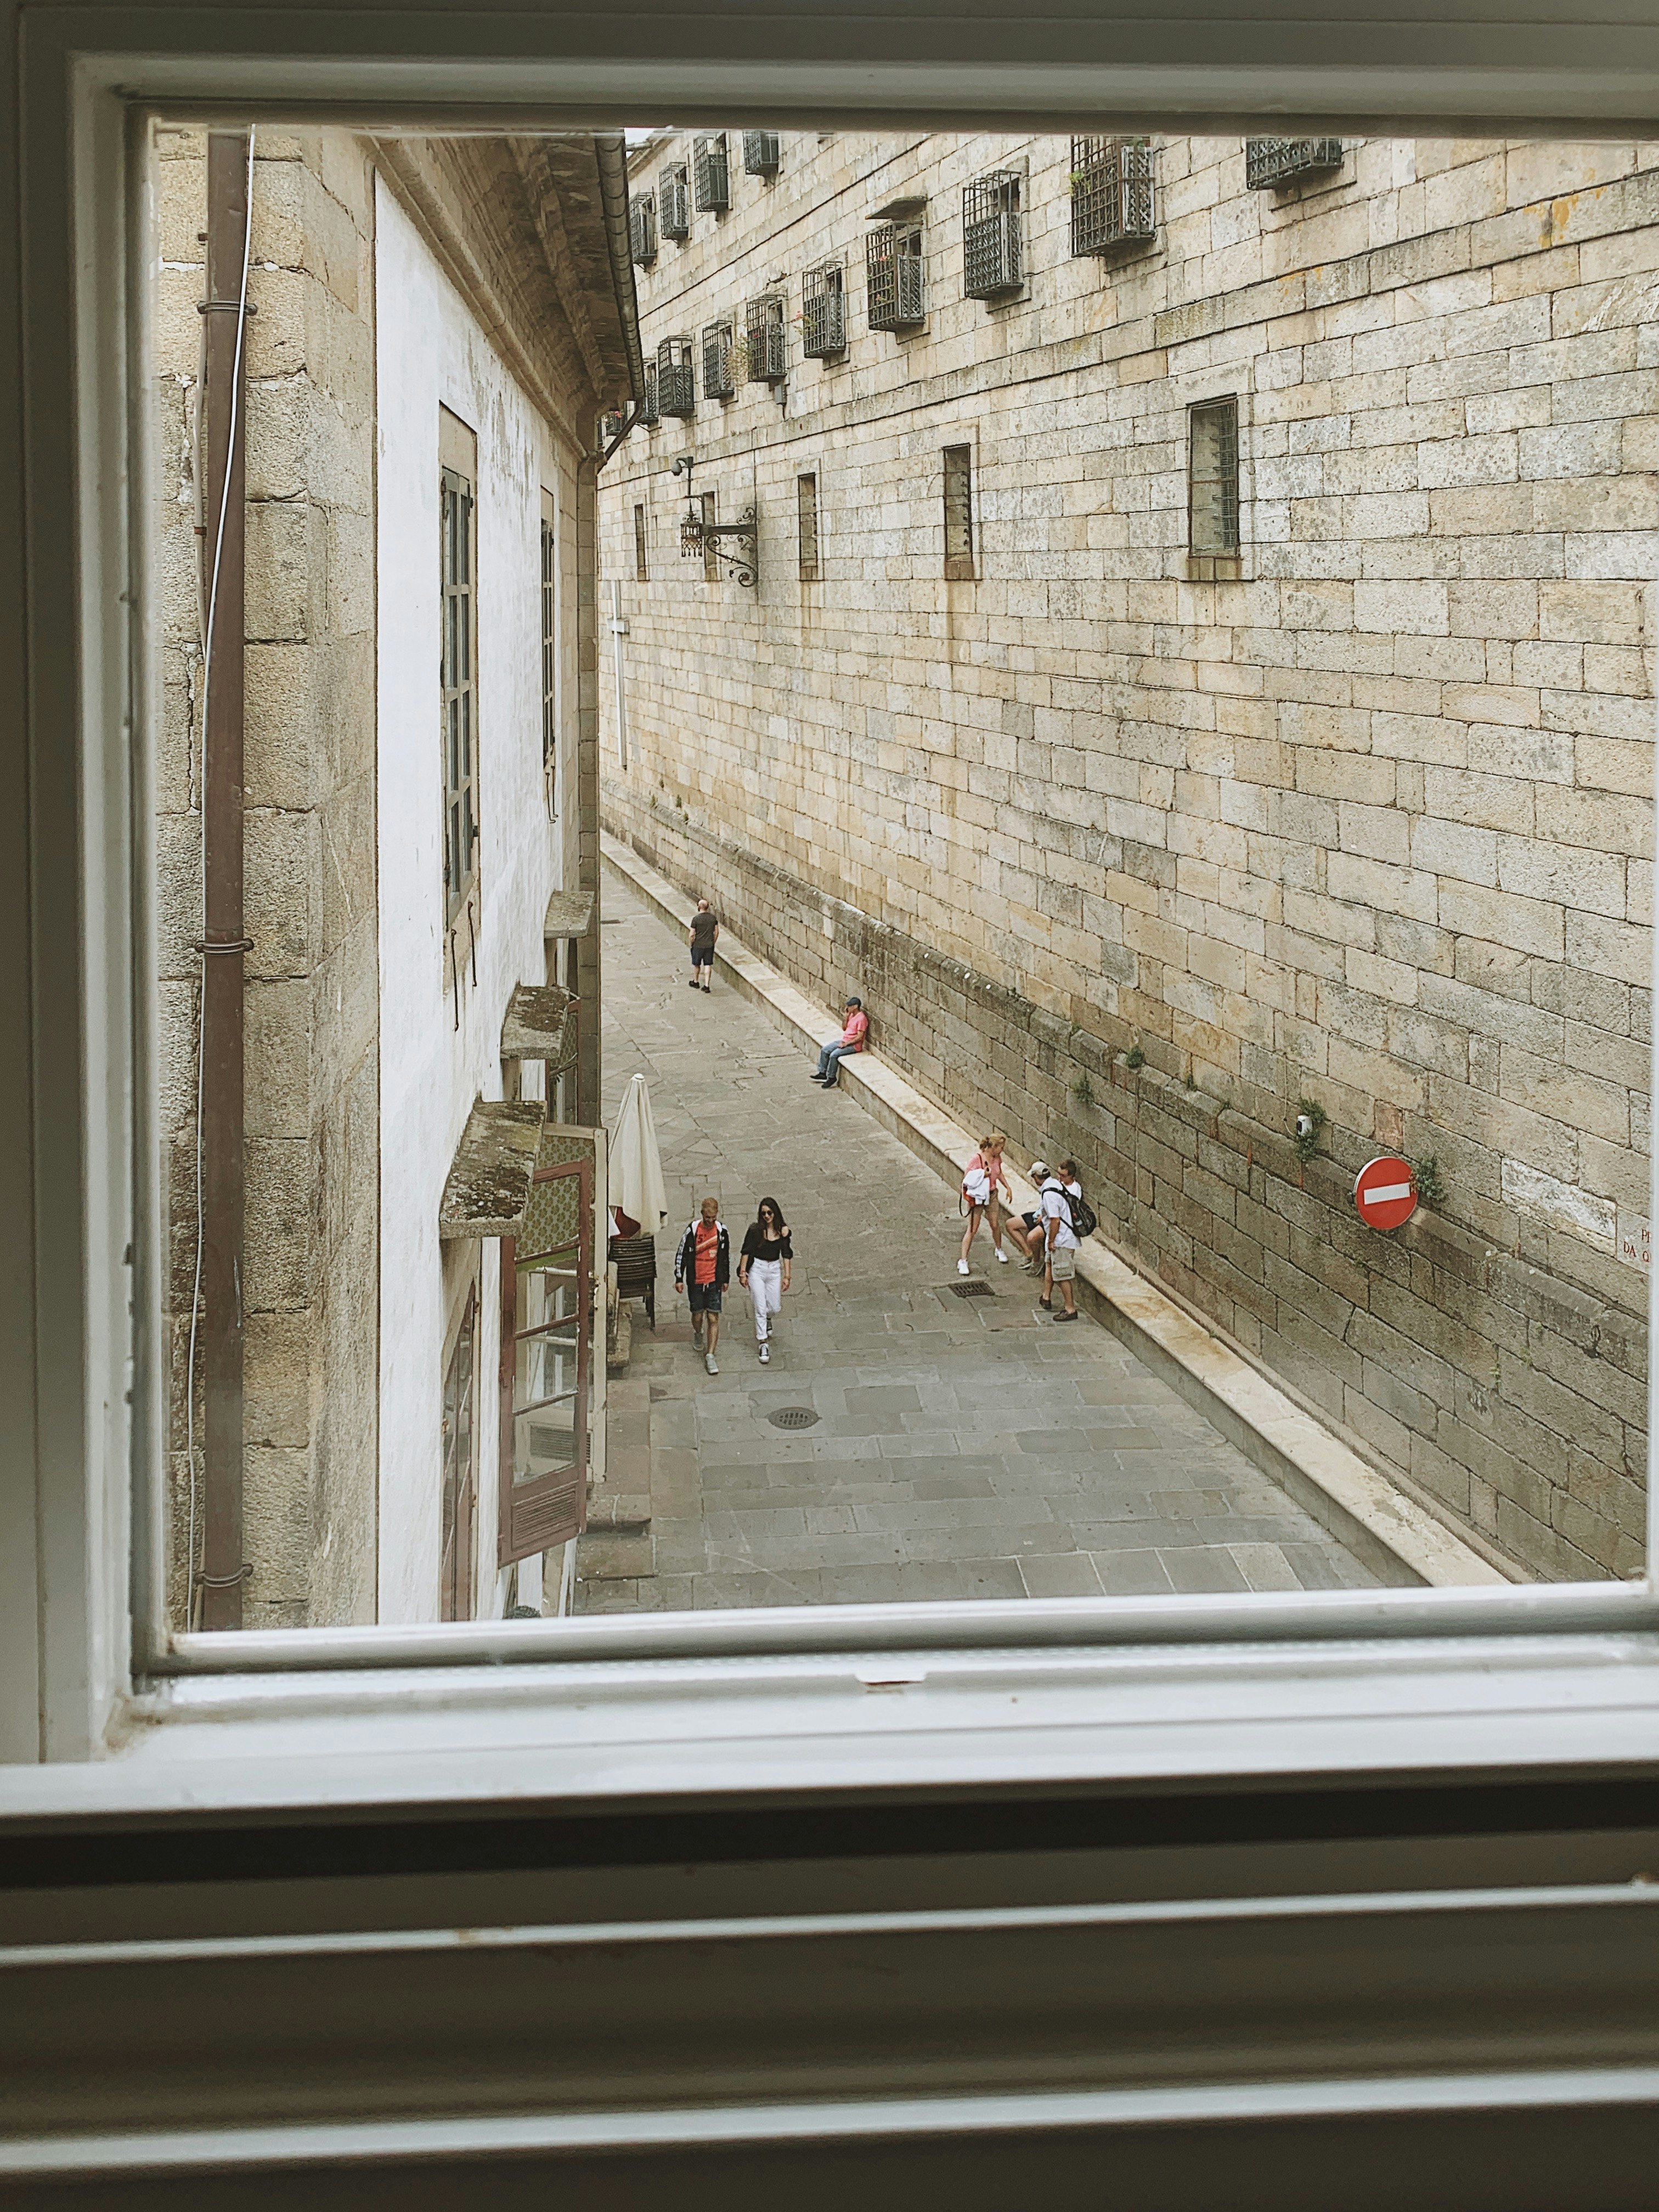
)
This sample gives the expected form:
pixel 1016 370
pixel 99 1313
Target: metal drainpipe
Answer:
pixel 223 1099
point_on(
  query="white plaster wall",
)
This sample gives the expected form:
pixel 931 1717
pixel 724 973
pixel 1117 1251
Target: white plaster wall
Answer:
pixel 430 353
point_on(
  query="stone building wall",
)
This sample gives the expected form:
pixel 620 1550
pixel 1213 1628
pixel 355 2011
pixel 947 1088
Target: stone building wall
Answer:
pixel 1366 822
pixel 311 1151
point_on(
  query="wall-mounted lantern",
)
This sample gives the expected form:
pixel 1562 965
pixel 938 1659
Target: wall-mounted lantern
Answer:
pixel 698 535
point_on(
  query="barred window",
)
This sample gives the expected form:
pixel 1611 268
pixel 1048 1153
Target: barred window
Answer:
pixel 959 512
pixel 718 371
pixel 642 229
pixel 710 173
pixel 806 526
pixel 641 567
pixel 992 256
pixel 895 295
pixel 1270 164
pixel 1112 199
pixel 824 311
pixel 1212 477
pixel 677 377
pixel 673 207
pixel 763 340
pixel 760 153
pixel 648 416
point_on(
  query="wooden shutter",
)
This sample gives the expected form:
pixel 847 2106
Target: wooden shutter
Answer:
pixel 547 1348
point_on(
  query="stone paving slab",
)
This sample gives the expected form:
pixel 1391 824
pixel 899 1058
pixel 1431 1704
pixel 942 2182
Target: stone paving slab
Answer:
pixel 965 1448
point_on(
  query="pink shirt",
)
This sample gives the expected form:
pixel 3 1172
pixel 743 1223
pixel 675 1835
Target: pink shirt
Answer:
pixel 857 1021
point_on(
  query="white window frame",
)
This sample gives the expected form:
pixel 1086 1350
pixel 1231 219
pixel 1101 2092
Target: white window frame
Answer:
pixel 1087 1690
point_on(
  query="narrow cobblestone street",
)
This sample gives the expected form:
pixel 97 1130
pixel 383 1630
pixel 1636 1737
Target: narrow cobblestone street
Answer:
pixel 963 1447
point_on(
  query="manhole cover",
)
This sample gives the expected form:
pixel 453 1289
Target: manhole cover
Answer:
pixel 973 1290
pixel 791 1417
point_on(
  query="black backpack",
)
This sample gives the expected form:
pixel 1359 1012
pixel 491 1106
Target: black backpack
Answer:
pixel 1082 1216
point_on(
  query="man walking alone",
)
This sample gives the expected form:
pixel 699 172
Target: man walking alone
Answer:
pixel 702 1267
pixel 703 936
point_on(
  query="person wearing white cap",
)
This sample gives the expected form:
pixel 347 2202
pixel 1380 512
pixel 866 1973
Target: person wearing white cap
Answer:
pixel 1026 1229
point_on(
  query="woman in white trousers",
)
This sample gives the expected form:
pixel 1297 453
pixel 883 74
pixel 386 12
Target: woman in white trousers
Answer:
pixel 763 1269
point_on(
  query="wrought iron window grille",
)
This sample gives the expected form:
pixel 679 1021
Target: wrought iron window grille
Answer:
pixel 609 427
pixel 760 153
pixel 824 311
pixel 673 203
pixel 767 361
pixel 648 414
pixel 703 538
pixel 895 293
pixel 711 173
pixel 1112 202
pixel 1213 478
pixel 642 229
pixel 1270 164
pixel 677 377
pixel 719 369
pixel 993 259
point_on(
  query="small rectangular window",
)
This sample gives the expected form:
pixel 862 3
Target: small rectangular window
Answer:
pixel 806 517
pixel 1212 477
pixel 458 660
pixel 549 659
pixel 958 513
pixel 641 570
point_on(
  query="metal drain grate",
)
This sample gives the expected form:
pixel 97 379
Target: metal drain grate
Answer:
pixel 791 1417
pixel 973 1290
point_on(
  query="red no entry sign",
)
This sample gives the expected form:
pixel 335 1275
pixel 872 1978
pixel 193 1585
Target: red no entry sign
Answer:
pixel 1386 1192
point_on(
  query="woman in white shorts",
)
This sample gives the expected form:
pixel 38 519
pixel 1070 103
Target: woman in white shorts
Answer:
pixel 984 1178
pixel 763 1268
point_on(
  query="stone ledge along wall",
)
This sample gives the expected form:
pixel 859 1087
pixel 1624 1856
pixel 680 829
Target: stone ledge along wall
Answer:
pixel 1366 822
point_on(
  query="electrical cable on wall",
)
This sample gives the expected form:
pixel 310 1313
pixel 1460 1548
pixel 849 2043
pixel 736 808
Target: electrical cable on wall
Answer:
pixel 194 1585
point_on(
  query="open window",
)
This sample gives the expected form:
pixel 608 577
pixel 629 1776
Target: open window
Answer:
pixel 547 1293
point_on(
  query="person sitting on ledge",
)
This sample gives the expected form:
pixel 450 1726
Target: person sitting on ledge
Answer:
pixel 855 1029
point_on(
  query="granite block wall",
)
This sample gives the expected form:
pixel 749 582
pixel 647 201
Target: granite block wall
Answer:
pixel 1360 815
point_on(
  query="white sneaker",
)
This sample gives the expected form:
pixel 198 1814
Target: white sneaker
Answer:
pixel 1002 1257
pixel 708 1362
pixel 766 1354
pixel 962 1267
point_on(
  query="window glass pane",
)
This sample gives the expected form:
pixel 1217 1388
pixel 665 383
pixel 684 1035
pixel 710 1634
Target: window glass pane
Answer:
pixel 1216 755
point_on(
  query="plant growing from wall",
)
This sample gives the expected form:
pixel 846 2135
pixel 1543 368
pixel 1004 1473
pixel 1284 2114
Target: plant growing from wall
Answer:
pixel 1135 1057
pixel 1430 1184
pixel 1083 1090
pixel 1310 1119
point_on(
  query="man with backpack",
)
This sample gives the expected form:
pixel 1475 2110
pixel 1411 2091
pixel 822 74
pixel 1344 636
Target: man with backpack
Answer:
pixel 1066 1218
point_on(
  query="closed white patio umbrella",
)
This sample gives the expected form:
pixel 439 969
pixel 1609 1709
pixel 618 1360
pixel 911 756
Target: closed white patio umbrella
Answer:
pixel 635 1164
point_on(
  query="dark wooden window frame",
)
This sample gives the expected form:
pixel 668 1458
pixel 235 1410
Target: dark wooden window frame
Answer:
pixel 808 554
pixel 1222 412
pixel 459 1502
pixel 642 553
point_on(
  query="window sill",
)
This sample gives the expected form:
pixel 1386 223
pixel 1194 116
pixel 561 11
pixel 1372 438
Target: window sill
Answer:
pixel 517 1724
